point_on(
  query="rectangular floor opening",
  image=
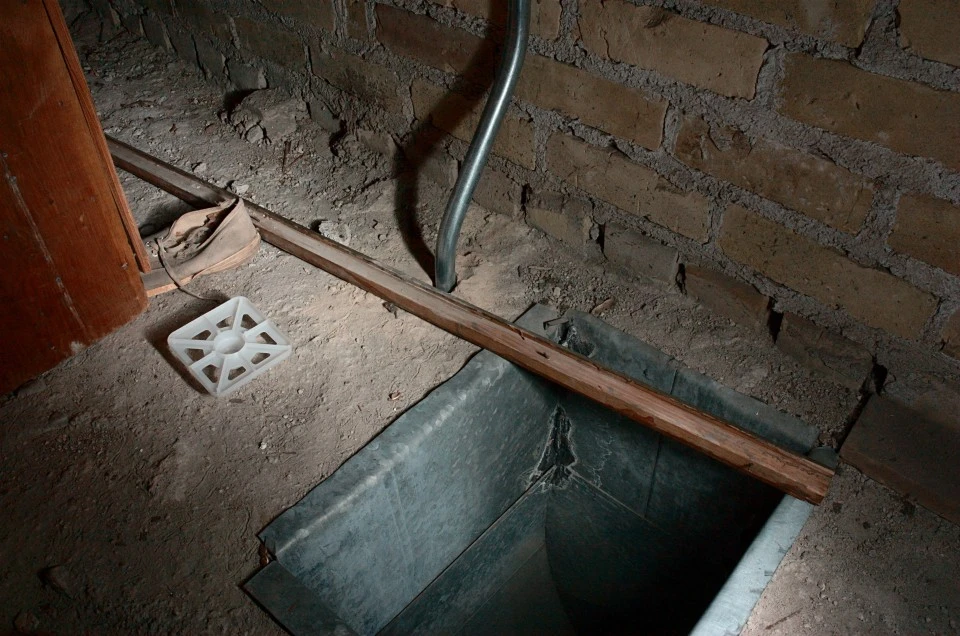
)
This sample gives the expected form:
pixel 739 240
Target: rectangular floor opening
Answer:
pixel 503 504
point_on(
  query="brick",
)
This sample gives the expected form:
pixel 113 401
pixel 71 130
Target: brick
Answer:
pixel 900 115
pixel 183 44
pixel 909 452
pixel 727 296
pixel 567 219
pixel 842 22
pixel 203 18
pixel 420 38
pixel 929 28
pixel 612 177
pixel 828 354
pixel 155 31
pixel 611 107
pixel 159 6
pixel 131 22
pixel 874 297
pixel 704 55
pixel 371 83
pixel 640 255
pixel 277 45
pixel 928 229
pixel 314 12
pixel 544 14
pixel 357 19
pixel 951 336
pixel 498 193
pixel 816 187
pixel 459 116
pixel 211 60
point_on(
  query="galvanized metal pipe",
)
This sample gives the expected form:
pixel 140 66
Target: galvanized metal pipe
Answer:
pixel 518 26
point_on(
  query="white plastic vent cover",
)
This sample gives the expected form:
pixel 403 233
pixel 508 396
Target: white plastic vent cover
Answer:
pixel 228 346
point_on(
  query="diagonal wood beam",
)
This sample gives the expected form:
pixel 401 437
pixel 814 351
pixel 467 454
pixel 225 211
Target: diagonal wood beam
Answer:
pixel 793 474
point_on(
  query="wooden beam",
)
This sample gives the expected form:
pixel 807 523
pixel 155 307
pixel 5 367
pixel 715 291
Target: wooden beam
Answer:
pixel 789 472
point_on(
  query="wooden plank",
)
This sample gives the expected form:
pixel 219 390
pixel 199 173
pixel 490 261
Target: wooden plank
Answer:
pixel 89 111
pixel 157 281
pixel 67 273
pixel 791 473
pixel 908 452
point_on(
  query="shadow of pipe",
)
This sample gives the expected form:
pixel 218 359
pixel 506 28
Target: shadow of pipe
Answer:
pixel 425 139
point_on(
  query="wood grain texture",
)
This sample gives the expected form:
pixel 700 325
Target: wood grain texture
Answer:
pixel 69 275
pixel 791 473
pixel 89 111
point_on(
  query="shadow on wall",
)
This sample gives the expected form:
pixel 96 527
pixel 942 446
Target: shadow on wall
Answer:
pixel 424 144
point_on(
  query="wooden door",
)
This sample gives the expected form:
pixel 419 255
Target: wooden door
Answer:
pixel 69 250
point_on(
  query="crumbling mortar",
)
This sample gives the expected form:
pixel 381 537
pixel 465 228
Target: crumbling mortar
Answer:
pixel 930 333
pixel 569 14
pixel 928 277
pixel 881 53
pixel 944 312
pixel 769 78
pixel 715 222
pixel 755 119
pixel 340 21
pixel 880 220
pixel 671 128
pixel 371 19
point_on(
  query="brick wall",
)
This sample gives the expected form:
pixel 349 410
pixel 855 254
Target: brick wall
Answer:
pixel 794 156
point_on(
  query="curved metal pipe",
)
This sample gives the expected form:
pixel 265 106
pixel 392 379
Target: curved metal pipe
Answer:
pixel 518 25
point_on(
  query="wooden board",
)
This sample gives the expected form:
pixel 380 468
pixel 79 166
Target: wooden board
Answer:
pixel 68 274
pixel 910 453
pixel 791 473
pixel 89 111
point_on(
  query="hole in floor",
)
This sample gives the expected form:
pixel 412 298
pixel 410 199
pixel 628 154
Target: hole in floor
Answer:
pixel 502 504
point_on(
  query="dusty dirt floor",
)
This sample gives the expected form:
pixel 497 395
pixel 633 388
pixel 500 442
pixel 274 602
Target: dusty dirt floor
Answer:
pixel 131 501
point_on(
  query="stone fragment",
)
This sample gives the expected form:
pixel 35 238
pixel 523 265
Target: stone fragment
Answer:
pixel 274 112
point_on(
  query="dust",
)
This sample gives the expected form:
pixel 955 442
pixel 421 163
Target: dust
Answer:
pixel 148 494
